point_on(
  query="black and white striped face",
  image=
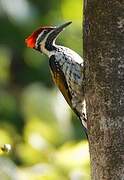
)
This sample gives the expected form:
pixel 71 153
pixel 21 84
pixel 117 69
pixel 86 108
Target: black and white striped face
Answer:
pixel 42 39
pixel 38 37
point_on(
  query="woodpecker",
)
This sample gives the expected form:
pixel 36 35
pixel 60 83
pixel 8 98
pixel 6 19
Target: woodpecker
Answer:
pixel 66 66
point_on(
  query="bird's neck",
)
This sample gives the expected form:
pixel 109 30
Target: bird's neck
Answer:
pixel 49 49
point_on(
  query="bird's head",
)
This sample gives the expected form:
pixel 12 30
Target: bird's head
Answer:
pixel 43 38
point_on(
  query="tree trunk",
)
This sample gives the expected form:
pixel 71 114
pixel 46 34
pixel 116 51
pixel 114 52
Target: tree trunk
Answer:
pixel 104 75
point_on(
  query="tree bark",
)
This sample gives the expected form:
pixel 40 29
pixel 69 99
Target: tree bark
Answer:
pixel 104 61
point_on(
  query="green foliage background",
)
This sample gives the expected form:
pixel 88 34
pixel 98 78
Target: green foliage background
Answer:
pixel 46 137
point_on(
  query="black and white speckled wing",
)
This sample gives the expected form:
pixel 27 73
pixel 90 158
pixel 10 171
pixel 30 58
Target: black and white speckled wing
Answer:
pixel 71 64
pixel 59 79
pixel 67 72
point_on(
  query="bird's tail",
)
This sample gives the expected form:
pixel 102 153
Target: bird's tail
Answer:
pixel 84 124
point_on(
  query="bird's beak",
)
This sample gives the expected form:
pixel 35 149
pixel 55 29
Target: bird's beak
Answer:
pixel 59 29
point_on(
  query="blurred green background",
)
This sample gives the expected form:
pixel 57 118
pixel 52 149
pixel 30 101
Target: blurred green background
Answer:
pixel 47 138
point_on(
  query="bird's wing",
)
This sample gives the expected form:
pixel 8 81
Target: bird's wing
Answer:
pixel 59 79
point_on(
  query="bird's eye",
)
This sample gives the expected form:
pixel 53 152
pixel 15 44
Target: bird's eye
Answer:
pixel 45 31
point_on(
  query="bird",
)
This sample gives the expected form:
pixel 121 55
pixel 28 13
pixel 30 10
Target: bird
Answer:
pixel 66 67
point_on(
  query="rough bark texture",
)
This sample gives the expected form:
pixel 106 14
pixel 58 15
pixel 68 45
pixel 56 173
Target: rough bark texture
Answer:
pixel 104 56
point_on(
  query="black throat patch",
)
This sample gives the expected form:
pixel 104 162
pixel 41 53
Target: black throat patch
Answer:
pixel 49 43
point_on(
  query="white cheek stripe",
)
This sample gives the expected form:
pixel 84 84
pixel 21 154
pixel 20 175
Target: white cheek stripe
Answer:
pixel 42 46
pixel 36 44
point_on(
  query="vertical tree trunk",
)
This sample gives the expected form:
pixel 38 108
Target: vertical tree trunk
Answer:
pixel 104 56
